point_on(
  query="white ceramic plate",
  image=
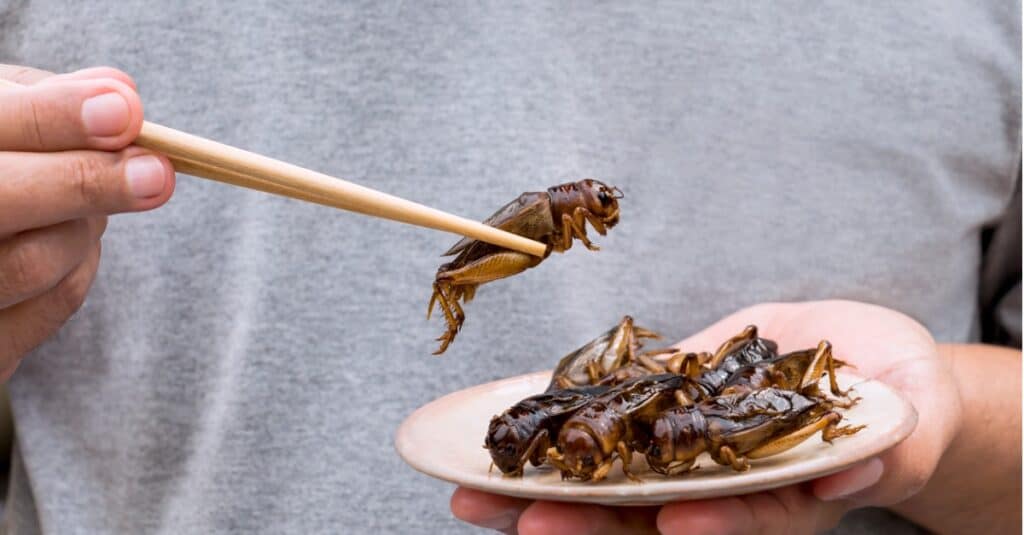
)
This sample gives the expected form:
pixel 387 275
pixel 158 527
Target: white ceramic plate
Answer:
pixel 444 439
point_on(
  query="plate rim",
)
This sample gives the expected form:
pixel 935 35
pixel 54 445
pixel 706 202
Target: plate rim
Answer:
pixel 640 494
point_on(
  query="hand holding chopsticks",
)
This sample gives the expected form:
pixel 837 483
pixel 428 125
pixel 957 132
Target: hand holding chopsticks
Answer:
pixel 215 161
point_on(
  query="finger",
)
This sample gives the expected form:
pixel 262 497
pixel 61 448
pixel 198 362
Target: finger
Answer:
pixel 93 73
pixel 22 75
pixel 556 518
pixel 718 516
pixel 27 324
pixel 848 484
pixel 104 114
pixel 29 76
pixel 787 510
pixel 38 190
pixel 35 261
pixel 487 510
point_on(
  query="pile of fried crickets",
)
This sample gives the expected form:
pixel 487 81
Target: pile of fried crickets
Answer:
pixel 609 401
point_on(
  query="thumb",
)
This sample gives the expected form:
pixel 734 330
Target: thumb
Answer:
pixel 851 484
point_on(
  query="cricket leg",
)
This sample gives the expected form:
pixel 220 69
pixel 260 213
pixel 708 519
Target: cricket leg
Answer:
pixel 627 460
pixel 682 399
pixel 821 364
pixel 686 363
pixel 567 233
pixel 456 294
pixel 658 356
pixel 554 458
pixel 577 231
pixel 791 440
pixel 748 334
pixel 580 213
pixel 441 298
pixel 834 431
pixel 453 316
pixel 542 436
pixel 450 284
pixel 680 468
pixel 651 365
pixel 602 470
pixel 728 457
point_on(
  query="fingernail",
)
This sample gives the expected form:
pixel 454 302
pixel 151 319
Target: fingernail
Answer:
pixel 146 176
pixel 105 115
pixel 501 522
pixel 859 479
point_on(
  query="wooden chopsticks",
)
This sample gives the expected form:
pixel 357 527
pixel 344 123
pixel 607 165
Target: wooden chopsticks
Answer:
pixel 209 159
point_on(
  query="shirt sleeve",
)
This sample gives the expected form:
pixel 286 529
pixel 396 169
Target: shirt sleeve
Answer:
pixel 1000 282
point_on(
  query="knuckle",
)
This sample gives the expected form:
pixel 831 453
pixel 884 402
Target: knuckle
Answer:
pixel 21 75
pixel 87 177
pixel 31 112
pixel 70 294
pixel 22 271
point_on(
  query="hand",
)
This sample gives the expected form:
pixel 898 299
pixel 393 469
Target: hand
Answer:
pixel 881 343
pixel 65 164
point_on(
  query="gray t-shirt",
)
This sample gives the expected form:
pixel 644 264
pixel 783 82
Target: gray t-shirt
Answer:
pixel 243 360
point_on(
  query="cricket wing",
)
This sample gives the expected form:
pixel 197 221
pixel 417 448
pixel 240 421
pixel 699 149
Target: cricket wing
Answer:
pixel 520 216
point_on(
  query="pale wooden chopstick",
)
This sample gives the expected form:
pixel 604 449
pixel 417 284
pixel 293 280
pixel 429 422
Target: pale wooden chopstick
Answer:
pixel 216 161
pixel 202 170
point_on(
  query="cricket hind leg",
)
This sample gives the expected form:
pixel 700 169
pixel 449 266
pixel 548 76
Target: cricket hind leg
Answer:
pixel 688 364
pixel 453 285
pixel 835 431
pixel 747 334
pixel 824 363
pixel 447 297
pixel 828 424
pixel 650 364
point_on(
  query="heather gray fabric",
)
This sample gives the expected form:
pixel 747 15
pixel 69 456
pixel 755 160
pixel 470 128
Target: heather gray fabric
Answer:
pixel 243 361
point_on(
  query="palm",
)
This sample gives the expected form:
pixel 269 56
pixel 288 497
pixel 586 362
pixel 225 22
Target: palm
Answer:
pixel 873 338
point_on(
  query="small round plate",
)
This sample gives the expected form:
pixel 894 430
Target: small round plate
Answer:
pixel 444 439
